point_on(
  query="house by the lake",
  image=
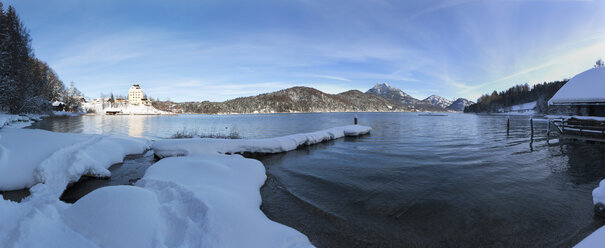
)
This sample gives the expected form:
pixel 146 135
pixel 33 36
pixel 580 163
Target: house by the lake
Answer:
pixel 136 96
pixel 584 94
pixel 584 98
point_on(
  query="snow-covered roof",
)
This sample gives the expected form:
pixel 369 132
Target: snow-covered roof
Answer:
pixel 586 88
pixel 57 103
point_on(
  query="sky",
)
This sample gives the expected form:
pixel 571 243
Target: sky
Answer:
pixel 218 50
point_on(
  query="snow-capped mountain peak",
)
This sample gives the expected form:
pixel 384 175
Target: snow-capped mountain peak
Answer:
pixel 459 104
pixel 438 101
pixel 391 93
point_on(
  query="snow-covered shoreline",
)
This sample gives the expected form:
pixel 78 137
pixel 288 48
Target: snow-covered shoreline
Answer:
pixel 597 238
pixel 197 146
pixel 202 199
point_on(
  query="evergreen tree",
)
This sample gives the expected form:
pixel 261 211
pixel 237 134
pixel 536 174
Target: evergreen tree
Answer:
pixel 26 83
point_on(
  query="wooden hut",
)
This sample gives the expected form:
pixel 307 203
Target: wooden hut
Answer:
pixel 584 97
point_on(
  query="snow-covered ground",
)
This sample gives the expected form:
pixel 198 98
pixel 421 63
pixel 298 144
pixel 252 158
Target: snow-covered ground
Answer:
pixel 521 109
pixel 31 156
pixel 205 199
pixel 597 238
pixel 598 194
pixel 124 108
pixel 18 121
pixel 209 201
pixel 197 146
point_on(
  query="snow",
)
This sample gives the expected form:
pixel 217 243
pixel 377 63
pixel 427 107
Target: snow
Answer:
pixel 586 87
pixel 124 108
pixel 195 201
pixel 7 119
pixel 525 106
pixel 438 101
pixel 32 156
pixel 598 194
pixel 205 199
pixel 220 196
pixel 594 118
pixel 520 109
pixel 197 146
pixel 597 238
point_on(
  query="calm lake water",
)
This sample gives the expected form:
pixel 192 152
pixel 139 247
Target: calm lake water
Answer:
pixel 415 181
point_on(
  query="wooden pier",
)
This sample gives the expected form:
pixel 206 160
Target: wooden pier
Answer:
pixel 578 129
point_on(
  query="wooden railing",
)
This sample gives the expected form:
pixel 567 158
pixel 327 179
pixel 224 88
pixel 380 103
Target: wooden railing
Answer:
pixel 579 127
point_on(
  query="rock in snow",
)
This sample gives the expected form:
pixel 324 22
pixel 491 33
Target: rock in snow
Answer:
pixel 205 199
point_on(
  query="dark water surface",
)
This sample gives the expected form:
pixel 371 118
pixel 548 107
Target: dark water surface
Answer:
pixel 416 181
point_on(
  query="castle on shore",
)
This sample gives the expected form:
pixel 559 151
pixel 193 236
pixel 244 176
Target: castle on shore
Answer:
pixel 137 97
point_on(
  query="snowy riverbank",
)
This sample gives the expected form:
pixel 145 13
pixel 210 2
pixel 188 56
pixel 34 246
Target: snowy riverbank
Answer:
pixel 204 199
pixel 597 238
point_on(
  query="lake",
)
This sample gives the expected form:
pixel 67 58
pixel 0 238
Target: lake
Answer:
pixel 415 181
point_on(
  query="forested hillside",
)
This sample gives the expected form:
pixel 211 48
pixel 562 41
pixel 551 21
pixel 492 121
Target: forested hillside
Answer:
pixel 519 94
pixel 296 99
pixel 26 83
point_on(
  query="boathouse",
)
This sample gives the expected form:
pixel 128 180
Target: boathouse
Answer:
pixel 584 98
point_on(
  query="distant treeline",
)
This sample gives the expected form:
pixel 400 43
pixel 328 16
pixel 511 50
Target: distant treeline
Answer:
pixel 518 94
pixel 26 83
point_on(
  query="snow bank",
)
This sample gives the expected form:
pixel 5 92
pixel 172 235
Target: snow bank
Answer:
pixel 195 146
pixel 586 87
pixel 208 201
pixel 598 194
pixel 31 156
pixel 18 121
pixel 219 196
pixel 595 240
pixel 205 199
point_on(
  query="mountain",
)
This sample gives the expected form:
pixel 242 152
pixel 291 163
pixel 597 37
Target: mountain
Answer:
pixel 393 94
pixel 397 96
pixel 460 104
pixel 296 99
pixel 437 101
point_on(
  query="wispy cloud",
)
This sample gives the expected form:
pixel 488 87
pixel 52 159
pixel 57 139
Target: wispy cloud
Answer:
pixel 450 48
pixel 330 77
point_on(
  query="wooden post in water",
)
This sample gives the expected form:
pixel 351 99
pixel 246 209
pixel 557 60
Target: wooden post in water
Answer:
pixel 507 126
pixel 548 131
pixel 531 124
pixel 355 120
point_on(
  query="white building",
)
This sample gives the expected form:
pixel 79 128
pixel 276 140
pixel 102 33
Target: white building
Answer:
pixel 136 95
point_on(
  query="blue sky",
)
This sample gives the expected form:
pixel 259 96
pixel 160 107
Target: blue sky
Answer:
pixel 218 50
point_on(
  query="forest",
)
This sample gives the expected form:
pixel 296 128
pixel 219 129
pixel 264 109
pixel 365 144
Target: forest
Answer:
pixel 27 84
pixel 518 94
